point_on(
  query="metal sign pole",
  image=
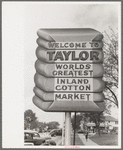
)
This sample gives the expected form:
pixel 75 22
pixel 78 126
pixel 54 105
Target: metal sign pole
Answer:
pixel 63 129
pixel 74 129
pixel 67 128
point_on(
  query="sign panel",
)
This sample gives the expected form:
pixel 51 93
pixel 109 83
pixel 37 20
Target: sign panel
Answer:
pixel 55 56
pixel 70 35
pixel 69 84
pixel 72 106
pixel 70 45
pixel 69 70
pixel 77 96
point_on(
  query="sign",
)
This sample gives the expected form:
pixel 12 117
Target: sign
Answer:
pixel 69 70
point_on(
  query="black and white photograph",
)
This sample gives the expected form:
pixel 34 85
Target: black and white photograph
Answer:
pixel 61 74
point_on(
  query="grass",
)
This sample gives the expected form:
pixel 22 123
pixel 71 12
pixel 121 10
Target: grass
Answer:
pixel 105 139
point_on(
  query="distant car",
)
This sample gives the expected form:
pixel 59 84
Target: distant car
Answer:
pixel 81 131
pixel 33 137
pixel 56 132
pixel 105 131
pixel 114 131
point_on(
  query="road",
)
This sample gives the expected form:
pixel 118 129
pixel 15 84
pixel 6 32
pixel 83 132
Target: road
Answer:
pixel 79 139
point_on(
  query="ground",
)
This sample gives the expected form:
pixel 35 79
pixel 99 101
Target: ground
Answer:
pixel 78 141
pixel 105 139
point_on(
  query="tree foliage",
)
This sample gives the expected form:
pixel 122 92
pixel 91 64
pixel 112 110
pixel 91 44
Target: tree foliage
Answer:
pixel 94 117
pixel 31 122
pixel 53 125
pixel 111 66
pixel 78 120
pixel 30 119
pixel 47 126
pixel 41 125
pixel 87 117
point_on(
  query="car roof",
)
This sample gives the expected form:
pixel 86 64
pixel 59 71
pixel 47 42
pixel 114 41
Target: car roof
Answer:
pixel 54 130
pixel 30 131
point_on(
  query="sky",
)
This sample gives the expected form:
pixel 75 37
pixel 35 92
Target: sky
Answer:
pixel 21 20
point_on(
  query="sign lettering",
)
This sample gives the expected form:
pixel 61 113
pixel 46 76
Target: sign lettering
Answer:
pixel 73 96
pixel 73 84
pixel 74 45
pixel 72 55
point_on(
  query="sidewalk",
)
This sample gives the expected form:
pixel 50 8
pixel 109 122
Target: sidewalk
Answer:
pixel 88 142
pixel 78 140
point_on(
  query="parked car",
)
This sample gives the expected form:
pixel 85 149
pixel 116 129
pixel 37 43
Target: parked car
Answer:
pixel 81 131
pixel 49 142
pixel 48 138
pixel 33 137
pixel 105 131
pixel 28 144
pixel 114 131
pixel 56 132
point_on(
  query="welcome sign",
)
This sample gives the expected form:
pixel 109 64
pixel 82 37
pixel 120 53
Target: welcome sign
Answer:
pixel 69 70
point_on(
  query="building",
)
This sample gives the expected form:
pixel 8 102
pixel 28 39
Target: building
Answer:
pixel 107 122
pixel 110 122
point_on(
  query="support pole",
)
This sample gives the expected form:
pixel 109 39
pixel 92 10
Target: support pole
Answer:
pixel 74 129
pixel 67 128
pixel 63 129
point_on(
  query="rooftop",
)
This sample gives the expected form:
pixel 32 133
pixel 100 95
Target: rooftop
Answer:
pixel 109 118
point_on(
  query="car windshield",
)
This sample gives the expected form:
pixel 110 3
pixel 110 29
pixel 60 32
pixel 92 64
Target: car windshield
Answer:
pixel 28 136
pixel 36 135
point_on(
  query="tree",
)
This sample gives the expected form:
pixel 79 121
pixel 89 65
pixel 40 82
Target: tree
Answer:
pixel 111 67
pixel 41 125
pixel 78 119
pixel 87 117
pixel 30 120
pixel 53 125
pixel 46 126
pixel 96 118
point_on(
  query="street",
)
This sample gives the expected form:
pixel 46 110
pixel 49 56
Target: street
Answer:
pixel 80 140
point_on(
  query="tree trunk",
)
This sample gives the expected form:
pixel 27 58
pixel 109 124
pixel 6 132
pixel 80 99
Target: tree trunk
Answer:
pixel 99 130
